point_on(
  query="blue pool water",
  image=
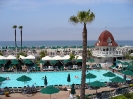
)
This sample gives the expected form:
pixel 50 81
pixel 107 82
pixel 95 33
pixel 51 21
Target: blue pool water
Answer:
pixel 53 78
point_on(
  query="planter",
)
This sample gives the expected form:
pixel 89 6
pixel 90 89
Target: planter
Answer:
pixel 6 94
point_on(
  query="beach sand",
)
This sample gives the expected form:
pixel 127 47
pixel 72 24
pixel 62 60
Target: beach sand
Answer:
pixel 60 95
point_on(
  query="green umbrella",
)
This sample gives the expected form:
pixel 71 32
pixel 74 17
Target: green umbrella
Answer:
pixel 41 61
pixel 49 90
pixel 117 79
pixel 28 61
pixel 97 84
pixel 2 62
pixel 68 78
pixel 109 74
pixel 90 76
pixel 2 79
pixel 91 60
pixel 53 62
pixel 23 78
pixel 118 61
pixel 66 61
pixel 125 63
pixel 45 81
pixel 78 60
pixel 129 67
pixel 128 72
pixel 14 62
pixel 73 90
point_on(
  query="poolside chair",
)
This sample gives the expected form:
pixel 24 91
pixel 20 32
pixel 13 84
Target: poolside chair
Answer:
pixel 15 89
pixel 19 89
pixel 10 89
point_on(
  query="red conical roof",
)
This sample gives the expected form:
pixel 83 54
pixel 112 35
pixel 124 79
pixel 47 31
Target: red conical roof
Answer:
pixel 106 39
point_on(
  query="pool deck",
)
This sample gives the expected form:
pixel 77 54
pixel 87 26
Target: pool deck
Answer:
pixel 60 95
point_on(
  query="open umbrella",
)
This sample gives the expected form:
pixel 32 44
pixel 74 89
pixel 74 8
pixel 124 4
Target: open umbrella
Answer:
pixel 97 84
pixel 49 90
pixel 118 61
pixel 45 81
pixel 117 79
pixel 68 78
pixel 90 76
pixel 128 72
pixel 14 62
pixel 91 60
pixel 109 74
pixel 23 78
pixel 2 79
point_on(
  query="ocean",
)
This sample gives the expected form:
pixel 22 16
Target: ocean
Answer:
pixel 58 43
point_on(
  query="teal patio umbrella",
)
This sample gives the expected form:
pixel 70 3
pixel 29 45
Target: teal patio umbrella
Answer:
pixel 91 60
pixel 14 62
pixel 97 84
pixel 90 76
pixel 109 74
pixel 2 79
pixel 117 79
pixel 118 61
pixel 128 72
pixel 23 78
pixel 49 90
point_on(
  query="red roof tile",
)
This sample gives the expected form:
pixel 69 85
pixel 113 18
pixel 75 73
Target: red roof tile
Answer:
pixel 106 39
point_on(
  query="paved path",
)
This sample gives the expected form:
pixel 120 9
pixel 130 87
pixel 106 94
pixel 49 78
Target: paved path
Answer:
pixel 60 95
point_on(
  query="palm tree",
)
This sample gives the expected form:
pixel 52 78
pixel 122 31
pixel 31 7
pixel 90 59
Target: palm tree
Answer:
pixel 73 58
pixel 83 17
pixel 14 27
pixel 21 27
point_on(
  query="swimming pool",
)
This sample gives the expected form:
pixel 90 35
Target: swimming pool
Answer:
pixel 53 78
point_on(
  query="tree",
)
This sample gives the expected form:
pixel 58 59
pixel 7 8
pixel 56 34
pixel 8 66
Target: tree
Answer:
pixel 21 27
pixel 14 27
pixel 89 53
pixel 43 54
pixel 73 58
pixel 83 17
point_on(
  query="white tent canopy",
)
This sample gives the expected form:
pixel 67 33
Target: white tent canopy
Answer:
pixel 79 57
pixel 30 57
pixel 2 57
pixel 10 57
pixel 57 58
pixel 47 58
pixel 66 57
pixel 22 57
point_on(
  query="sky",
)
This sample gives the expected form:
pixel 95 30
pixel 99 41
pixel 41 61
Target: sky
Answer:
pixel 49 19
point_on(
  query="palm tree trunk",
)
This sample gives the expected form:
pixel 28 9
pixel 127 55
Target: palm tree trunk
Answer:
pixel 15 39
pixel 84 55
pixel 21 40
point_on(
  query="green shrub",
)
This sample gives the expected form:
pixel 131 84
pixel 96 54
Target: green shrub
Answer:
pixel 128 95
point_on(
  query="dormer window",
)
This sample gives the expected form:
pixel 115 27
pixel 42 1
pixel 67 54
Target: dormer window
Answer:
pixel 109 40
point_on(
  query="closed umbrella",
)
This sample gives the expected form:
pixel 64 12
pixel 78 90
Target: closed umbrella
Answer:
pixel 73 90
pixel 49 90
pixel 45 81
pixel 90 76
pixel 68 78
pixel 117 79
